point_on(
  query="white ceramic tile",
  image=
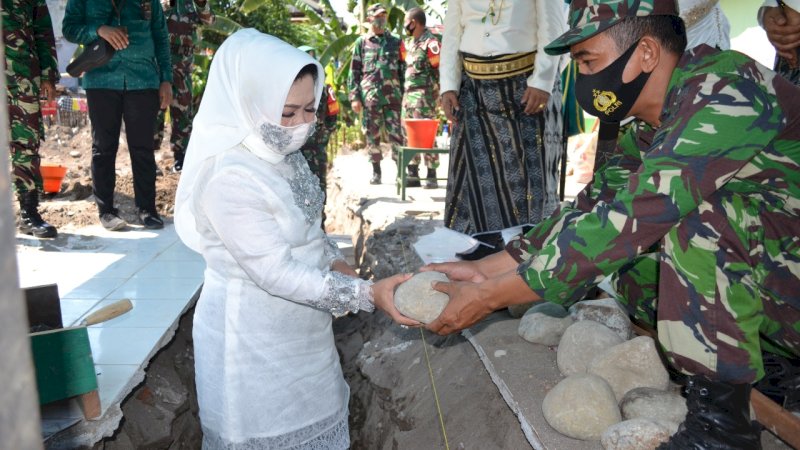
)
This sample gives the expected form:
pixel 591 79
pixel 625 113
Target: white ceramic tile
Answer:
pixel 73 309
pixel 179 252
pixel 172 269
pixel 152 288
pixel 112 380
pixel 96 288
pixel 124 268
pixel 123 345
pixel 157 313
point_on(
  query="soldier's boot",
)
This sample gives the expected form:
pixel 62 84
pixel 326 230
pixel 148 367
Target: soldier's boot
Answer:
pixel 30 222
pixel 718 418
pixel 376 173
pixel 430 180
pixel 781 381
pixel 412 180
pixel 177 166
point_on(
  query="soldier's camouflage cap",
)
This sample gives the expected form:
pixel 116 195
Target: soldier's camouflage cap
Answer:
pixel 375 9
pixel 590 17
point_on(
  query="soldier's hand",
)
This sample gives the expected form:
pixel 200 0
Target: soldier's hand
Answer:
pixel 534 100
pixel 450 105
pixel 465 308
pixel 165 94
pixel 784 37
pixel 117 37
pixel 356 106
pixel 49 90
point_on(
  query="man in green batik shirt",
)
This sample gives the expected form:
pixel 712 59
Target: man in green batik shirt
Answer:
pixel 376 86
pixel 31 70
pixel 422 86
pixel 696 215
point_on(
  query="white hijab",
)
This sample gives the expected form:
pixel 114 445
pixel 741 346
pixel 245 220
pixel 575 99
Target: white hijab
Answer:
pixel 249 80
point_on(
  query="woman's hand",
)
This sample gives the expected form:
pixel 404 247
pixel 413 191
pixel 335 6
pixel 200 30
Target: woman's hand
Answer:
pixel 383 297
pixel 342 267
pixel 458 271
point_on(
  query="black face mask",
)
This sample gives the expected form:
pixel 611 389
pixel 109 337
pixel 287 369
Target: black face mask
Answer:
pixel 409 30
pixel 605 95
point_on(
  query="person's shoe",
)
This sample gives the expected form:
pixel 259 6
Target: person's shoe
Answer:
pixel 718 418
pixel 430 180
pixel 376 173
pixel 412 179
pixel 491 244
pixel 781 381
pixel 177 166
pixel 151 220
pixel 30 221
pixel 159 172
pixel 111 221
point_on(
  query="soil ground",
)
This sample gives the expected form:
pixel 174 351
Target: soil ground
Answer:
pixel 74 207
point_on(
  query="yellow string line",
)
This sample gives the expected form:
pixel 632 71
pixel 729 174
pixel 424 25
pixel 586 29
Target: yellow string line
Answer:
pixel 433 385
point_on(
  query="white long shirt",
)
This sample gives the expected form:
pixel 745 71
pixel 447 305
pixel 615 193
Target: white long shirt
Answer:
pixel 712 29
pixel 522 26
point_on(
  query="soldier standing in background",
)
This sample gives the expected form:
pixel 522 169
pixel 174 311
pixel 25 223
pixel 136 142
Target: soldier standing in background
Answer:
pixel 315 148
pixel 376 86
pixel 183 17
pixel 31 70
pixel 422 86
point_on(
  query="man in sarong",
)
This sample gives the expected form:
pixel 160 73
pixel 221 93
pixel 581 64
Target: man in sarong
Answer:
pixel 502 93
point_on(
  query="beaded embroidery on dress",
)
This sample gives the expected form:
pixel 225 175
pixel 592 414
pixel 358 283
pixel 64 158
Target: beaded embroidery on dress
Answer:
pixel 307 194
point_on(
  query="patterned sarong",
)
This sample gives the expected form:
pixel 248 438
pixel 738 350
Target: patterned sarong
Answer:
pixel 504 164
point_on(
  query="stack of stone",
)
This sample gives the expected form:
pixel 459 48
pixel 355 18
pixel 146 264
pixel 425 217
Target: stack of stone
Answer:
pixel 616 389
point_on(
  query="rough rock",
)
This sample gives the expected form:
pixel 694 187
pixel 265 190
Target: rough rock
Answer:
pixel 635 434
pixel 630 365
pixel 542 328
pixel 581 406
pixel 581 342
pixel 606 311
pixel 650 403
pixel 417 299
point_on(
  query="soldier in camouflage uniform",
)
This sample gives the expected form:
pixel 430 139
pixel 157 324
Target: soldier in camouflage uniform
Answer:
pixel 697 214
pixel 31 70
pixel 315 149
pixel 183 17
pixel 422 86
pixel 376 86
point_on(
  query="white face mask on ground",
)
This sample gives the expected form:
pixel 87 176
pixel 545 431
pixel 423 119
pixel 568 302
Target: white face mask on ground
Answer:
pixel 285 140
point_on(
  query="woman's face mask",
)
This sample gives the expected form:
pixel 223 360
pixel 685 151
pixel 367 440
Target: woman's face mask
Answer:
pixel 605 95
pixel 285 140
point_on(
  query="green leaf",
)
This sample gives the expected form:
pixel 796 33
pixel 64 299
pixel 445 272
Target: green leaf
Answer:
pixel 251 5
pixel 224 26
pixel 339 49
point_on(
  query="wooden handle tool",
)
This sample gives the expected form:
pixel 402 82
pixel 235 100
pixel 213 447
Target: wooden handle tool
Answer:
pixel 109 312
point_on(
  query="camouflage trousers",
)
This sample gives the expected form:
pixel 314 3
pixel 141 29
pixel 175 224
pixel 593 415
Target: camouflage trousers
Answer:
pixel 27 132
pixel 421 105
pixel 721 288
pixel 375 118
pixel 181 110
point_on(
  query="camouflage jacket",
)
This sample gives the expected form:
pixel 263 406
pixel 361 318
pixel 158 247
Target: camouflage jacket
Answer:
pixel 30 48
pixel 183 17
pixel 377 70
pixel 326 120
pixel 144 64
pixel 422 64
pixel 730 128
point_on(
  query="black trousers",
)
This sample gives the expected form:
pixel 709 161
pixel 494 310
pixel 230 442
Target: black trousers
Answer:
pixel 107 109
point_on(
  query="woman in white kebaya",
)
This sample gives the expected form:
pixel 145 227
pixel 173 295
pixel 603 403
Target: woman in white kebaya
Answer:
pixel 267 370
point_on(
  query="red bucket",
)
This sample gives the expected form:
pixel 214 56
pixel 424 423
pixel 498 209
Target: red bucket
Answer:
pixel 421 133
pixel 52 176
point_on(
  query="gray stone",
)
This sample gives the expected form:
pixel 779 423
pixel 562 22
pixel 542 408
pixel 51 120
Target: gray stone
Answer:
pixel 650 403
pixel 635 434
pixel 517 311
pixel 581 342
pixel 630 365
pixel 581 406
pixel 544 307
pixel 417 299
pixel 606 311
pixel 540 328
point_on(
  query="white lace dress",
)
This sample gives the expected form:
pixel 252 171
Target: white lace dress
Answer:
pixel 267 370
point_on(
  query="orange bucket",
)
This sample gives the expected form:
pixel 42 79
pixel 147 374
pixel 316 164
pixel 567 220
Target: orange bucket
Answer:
pixel 421 133
pixel 52 176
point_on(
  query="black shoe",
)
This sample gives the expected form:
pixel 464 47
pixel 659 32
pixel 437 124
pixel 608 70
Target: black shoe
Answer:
pixel 718 418
pixel 491 244
pixel 111 221
pixel 376 179
pixel 30 221
pixel 412 179
pixel 177 166
pixel 781 381
pixel 430 180
pixel 151 220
